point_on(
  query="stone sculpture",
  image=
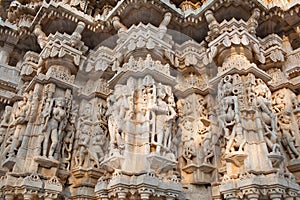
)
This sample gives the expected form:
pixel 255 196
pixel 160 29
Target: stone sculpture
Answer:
pixel 53 127
pixel 165 100
pixel 20 118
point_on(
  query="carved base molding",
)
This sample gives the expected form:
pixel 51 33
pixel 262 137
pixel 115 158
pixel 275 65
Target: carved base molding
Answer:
pixel 150 100
pixel 259 185
pixel 144 185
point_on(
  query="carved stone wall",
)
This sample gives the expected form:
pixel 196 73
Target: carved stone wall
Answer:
pixel 160 100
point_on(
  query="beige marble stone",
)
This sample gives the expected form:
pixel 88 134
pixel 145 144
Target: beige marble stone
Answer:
pixel 153 100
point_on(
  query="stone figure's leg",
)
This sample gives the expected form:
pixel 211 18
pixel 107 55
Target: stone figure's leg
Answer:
pixel 54 140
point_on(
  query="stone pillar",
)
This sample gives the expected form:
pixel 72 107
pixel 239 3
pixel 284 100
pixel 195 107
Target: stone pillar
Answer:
pixel 252 193
pixel 9 197
pixel 275 196
pixel 28 196
pixel 275 193
pixel 253 196
pixel 103 197
pixel 4 53
pixel 231 196
pixel 122 195
pixel 145 196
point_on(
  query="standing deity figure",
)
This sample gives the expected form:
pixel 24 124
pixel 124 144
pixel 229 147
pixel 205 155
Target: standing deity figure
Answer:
pixel 253 21
pixel 126 101
pixel 279 102
pixel 207 148
pixel 19 120
pixel 83 144
pixel 113 123
pixel 265 119
pixel 97 147
pixel 164 114
pixel 237 139
pixel 189 150
pixel 41 36
pixel 101 112
pixel 288 136
pixel 229 106
pixel 4 123
pixel 54 126
pixel 169 126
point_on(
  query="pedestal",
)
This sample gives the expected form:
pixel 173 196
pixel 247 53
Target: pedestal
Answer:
pixel 46 162
pixel 160 163
pixel 276 159
pixel 45 166
pixel 190 168
pixel 113 162
pixel 294 167
pixel 237 158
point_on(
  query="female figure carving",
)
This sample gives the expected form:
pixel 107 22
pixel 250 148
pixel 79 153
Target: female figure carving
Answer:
pixel 53 127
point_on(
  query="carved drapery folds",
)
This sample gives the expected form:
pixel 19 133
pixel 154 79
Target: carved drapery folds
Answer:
pixel 106 105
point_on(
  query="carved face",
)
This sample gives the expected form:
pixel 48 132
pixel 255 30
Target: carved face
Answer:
pixel 60 103
pixel 25 97
pixel 21 104
pixel 285 118
pixel 72 118
pixel 161 93
pixel 171 100
pixel 251 98
pixel 227 88
pixel 200 101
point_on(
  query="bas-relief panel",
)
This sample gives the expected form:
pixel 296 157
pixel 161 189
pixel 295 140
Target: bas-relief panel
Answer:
pixel 149 118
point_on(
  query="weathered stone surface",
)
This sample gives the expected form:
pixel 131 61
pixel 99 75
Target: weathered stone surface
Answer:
pixel 158 100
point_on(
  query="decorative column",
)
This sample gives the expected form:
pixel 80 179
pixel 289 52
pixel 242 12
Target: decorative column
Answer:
pixel 103 197
pixel 251 193
pixel 5 52
pixel 121 195
pixel 9 196
pixel 246 119
pixel 145 196
pixel 276 193
pixel 90 139
pixel 141 117
pixel 28 196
